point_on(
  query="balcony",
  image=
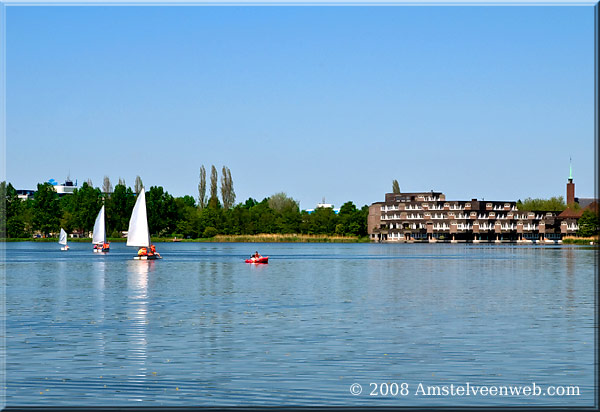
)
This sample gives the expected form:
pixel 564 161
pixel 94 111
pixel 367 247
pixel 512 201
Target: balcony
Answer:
pixel 530 227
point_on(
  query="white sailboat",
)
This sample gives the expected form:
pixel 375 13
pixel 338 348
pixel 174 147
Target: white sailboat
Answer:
pixel 99 233
pixel 62 240
pixel 138 233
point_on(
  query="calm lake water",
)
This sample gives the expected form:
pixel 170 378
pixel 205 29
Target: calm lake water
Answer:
pixel 202 328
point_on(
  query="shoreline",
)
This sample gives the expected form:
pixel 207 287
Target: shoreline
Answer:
pixel 261 238
pixel 289 238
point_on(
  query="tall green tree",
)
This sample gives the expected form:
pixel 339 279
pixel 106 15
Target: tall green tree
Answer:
pixel 202 188
pixel 47 212
pixel 186 216
pixel 588 224
pixel 138 185
pixel 85 205
pixel 281 201
pixel 68 219
pixel 353 221
pixel 322 221
pixel 107 185
pixel 347 219
pixel 3 210
pixel 395 186
pixel 227 192
pixel 118 209
pixel 12 222
pixel 213 201
pixel 162 211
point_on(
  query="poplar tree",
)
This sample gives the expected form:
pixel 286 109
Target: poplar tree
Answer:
pixel 138 185
pixel 214 198
pixel 395 186
pixel 202 188
pixel 106 185
pixel 227 192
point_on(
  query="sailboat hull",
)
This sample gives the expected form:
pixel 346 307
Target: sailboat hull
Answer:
pixel 64 248
pixel 153 257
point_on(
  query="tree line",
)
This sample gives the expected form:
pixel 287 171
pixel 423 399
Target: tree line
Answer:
pixel 170 216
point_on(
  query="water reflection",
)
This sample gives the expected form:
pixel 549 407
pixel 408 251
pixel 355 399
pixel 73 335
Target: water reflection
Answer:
pixel 137 316
pixel 99 303
pixel 570 274
pixel 61 287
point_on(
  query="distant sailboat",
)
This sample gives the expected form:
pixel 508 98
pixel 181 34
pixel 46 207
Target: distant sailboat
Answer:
pixel 138 233
pixel 99 234
pixel 62 240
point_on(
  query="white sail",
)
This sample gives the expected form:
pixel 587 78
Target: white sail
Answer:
pixel 99 234
pixel 138 233
pixel 62 240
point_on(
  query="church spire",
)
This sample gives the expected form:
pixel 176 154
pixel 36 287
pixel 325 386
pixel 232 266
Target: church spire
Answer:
pixel 570 186
pixel 570 170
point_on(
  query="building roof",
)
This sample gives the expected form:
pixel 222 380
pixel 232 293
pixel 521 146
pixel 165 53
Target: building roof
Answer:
pixel 585 201
pixel 593 206
pixel 415 193
pixel 571 213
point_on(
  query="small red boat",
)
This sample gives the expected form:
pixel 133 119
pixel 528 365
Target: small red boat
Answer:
pixel 262 259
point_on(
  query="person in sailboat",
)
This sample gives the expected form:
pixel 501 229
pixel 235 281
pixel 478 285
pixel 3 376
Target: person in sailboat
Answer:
pixel 105 247
pixel 153 251
pixel 142 251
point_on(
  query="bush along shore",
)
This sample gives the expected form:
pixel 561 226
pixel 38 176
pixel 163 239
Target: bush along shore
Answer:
pixel 572 240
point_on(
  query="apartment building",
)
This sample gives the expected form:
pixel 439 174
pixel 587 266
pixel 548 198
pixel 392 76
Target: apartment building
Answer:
pixel 429 217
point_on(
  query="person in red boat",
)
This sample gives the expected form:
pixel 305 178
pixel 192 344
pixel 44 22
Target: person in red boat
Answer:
pixel 257 258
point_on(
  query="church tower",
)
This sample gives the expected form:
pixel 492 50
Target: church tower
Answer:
pixel 570 187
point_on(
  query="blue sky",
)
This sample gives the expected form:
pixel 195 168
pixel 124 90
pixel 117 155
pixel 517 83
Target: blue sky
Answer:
pixel 335 102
